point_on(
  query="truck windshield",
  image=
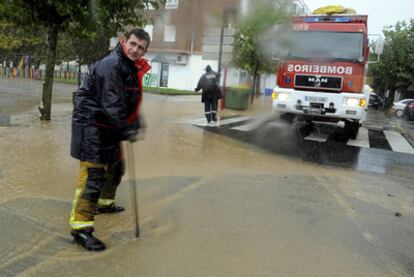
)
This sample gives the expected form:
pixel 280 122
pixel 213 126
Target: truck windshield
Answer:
pixel 325 45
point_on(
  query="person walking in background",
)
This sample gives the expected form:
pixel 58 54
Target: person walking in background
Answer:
pixel 211 93
pixel 105 113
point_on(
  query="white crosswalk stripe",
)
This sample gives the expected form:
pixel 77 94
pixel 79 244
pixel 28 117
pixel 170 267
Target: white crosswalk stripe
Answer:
pixel 233 120
pixel 248 127
pixel 203 121
pixel 197 122
pixel 317 137
pixel 362 139
pixel 258 121
pixel 398 143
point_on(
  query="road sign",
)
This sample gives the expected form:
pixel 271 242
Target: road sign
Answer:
pixel 215 57
pixel 215 40
pixel 211 44
pixel 216 48
pixel 217 32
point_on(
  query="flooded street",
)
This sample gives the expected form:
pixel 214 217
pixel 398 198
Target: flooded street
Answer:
pixel 210 204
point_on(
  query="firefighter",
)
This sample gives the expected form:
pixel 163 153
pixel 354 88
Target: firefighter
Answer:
pixel 209 84
pixel 105 113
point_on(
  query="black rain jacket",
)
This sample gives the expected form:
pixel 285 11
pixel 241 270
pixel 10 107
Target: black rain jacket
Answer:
pixel 208 83
pixel 109 94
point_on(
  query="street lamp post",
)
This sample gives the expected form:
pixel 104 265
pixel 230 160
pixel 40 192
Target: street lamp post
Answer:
pixel 221 44
pixel 224 20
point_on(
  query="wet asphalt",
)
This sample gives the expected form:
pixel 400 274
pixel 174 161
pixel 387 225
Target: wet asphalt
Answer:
pixel 290 140
pixel 213 200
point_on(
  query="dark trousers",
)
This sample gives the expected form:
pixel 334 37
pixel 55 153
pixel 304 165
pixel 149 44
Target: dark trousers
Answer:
pixel 210 109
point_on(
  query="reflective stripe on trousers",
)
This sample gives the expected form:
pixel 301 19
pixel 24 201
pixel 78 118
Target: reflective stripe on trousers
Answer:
pixel 97 184
pixel 210 109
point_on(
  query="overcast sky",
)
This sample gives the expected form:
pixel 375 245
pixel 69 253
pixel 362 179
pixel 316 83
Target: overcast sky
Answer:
pixel 380 13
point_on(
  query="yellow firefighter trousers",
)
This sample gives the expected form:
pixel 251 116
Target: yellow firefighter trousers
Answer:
pixel 97 184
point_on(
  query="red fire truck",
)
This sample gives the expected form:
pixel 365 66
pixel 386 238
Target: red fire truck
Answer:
pixel 322 75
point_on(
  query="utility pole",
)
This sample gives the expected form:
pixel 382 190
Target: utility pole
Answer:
pixel 221 44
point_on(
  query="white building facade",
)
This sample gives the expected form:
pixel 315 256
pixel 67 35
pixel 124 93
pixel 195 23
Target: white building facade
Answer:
pixel 176 50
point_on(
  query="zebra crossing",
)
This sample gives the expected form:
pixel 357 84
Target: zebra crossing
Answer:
pixel 366 138
pixel 362 139
pixel 398 143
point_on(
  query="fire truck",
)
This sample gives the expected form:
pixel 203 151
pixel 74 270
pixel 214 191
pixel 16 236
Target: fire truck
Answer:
pixel 322 75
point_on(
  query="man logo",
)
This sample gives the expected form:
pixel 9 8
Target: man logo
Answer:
pixel 317 81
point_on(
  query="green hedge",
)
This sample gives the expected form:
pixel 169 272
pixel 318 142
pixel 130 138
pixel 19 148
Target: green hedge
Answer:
pixel 163 91
pixel 169 91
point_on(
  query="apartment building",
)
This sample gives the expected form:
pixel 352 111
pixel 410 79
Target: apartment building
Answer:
pixel 177 30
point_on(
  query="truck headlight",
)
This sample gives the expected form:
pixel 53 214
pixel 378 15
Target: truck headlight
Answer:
pixel 283 96
pixel 352 102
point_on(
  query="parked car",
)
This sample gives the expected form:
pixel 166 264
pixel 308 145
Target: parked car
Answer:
pixel 398 107
pixel 374 101
pixel 409 111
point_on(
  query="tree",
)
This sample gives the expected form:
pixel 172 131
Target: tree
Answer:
pixel 81 19
pixel 250 38
pixel 84 50
pixel 395 70
pixel 16 41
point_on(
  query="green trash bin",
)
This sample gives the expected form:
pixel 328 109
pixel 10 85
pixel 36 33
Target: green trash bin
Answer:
pixel 237 98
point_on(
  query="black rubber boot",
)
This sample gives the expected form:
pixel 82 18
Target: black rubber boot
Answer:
pixel 208 117
pixel 109 209
pixel 85 239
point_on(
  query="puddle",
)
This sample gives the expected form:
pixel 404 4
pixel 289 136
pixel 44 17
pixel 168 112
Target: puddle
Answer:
pixel 4 120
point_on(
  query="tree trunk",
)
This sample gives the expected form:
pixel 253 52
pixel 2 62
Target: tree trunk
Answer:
pixel 46 104
pixel 256 70
pixel 258 81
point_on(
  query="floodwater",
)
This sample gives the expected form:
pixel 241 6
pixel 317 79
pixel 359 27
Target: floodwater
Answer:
pixel 209 205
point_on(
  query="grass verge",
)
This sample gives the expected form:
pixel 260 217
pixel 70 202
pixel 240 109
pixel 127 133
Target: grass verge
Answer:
pixel 169 91
pixel 163 91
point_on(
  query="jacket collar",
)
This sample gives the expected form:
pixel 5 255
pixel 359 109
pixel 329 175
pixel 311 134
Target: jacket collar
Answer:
pixel 119 51
pixel 141 65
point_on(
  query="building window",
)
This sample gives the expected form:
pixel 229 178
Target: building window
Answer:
pixel 149 29
pixel 169 33
pixel 171 4
pixel 150 6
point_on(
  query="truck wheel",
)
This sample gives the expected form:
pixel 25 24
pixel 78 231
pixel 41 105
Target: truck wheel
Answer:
pixel 351 129
pixel 287 117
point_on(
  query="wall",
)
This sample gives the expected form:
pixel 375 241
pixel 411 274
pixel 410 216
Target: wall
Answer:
pixel 182 76
pixel 186 76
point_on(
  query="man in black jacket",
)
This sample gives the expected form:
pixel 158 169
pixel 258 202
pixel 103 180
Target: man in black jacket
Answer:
pixel 105 113
pixel 208 83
